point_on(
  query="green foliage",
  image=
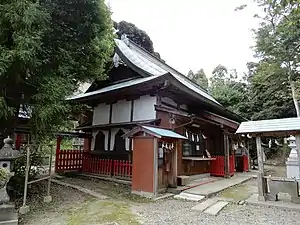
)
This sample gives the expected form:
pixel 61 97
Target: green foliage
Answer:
pixel 36 159
pixel 47 48
pixel 136 35
pixel 277 47
pixel 199 78
pixel 270 101
pixel 229 91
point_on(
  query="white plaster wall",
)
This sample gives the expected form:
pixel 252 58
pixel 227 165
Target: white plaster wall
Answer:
pixel 101 114
pixel 169 101
pixel 94 133
pixel 121 111
pixel 144 108
pixel 112 138
pixel 127 140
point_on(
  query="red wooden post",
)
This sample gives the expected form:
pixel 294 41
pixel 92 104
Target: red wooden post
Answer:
pixel 18 141
pixel 57 158
pixel 123 168
pixel 87 144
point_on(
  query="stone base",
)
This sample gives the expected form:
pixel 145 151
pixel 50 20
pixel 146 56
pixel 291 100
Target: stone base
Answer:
pixel 48 199
pixel 144 194
pixel 24 209
pixel 261 198
pixel 4 198
pixel 8 215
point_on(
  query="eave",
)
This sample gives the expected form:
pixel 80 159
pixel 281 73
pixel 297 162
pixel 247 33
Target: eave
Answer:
pixel 117 125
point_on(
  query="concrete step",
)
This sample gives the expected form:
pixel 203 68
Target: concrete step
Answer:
pixel 189 197
pixel 8 212
pixel 216 208
pixel 9 222
pixel 204 205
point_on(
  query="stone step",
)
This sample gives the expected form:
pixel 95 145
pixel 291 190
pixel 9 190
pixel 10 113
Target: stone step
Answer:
pixel 9 222
pixel 216 208
pixel 204 205
pixel 189 197
pixel 8 212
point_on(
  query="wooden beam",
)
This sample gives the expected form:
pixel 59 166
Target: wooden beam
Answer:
pixel 260 175
pixel 222 120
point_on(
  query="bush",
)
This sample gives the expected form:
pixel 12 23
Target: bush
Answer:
pixel 15 186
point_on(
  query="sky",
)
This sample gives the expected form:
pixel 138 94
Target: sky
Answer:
pixel 194 34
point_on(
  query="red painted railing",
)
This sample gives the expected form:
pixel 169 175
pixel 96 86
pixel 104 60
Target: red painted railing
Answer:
pixel 96 165
pixel 246 163
pixel 68 160
pixel 122 168
pixel 76 160
pixel 217 167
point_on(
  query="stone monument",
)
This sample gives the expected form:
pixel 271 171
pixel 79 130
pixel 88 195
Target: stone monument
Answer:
pixel 8 215
pixel 292 164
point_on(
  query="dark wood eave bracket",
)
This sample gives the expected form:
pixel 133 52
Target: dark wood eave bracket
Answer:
pixel 222 120
pixel 207 117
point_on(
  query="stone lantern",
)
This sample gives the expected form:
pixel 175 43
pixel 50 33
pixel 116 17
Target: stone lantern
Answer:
pixel 7 158
pixel 292 164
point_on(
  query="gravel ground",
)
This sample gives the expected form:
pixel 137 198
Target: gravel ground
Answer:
pixel 74 208
pixel 176 212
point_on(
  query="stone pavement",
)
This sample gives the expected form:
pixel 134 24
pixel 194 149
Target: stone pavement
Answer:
pixel 206 190
pixel 213 188
pixel 284 202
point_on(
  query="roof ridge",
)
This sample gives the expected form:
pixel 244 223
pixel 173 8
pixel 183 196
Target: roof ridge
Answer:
pixel 165 64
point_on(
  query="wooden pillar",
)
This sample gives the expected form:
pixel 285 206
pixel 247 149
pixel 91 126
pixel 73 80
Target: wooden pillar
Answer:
pixel 260 175
pixel 58 142
pixel 18 141
pixel 155 167
pixel 87 144
pixel 248 154
pixel 174 167
pixel 226 156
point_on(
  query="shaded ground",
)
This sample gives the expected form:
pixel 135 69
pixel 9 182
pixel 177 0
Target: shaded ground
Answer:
pixel 70 207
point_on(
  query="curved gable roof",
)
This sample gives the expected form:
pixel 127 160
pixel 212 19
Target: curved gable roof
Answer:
pixel 140 60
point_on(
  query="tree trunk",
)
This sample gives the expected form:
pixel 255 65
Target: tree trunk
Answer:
pixel 295 98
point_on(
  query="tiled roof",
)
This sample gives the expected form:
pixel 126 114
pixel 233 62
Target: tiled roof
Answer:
pixel 163 132
pixel 114 87
pixel 269 126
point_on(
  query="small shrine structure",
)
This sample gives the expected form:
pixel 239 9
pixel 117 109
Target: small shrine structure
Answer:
pixel 159 146
pixel 268 187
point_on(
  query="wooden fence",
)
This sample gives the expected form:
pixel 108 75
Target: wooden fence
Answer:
pixel 68 160
pixel 76 160
pixel 217 167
